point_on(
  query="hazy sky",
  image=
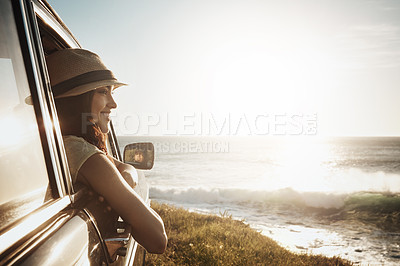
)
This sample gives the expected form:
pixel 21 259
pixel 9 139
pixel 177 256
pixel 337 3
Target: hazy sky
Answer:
pixel 338 61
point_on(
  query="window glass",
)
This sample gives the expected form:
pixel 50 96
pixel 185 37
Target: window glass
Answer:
pixel 24 183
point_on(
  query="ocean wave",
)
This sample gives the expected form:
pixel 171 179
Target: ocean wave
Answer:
pixel 374 201
pixel 287 196
pixel 242 196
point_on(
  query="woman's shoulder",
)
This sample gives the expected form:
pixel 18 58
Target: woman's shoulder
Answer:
pixel 78 150
pixel 78 143
pixel 74 139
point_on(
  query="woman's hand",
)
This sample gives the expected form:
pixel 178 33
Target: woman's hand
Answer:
pixel 129 174
pixel 127 171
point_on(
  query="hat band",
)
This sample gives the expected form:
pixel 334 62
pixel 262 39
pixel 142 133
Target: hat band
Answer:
pixel 89 77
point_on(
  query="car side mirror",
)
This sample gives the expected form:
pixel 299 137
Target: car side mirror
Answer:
pixel 140 155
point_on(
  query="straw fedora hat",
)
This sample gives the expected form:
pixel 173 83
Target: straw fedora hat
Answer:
pixel 76 71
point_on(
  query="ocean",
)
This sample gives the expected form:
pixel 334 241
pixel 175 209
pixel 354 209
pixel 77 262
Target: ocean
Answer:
pixel 330 196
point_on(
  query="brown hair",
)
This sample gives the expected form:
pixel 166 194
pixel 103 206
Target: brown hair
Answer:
pixel 74 114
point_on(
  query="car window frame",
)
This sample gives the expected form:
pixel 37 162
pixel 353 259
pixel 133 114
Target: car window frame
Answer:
pixel 38 82
pixel 70 42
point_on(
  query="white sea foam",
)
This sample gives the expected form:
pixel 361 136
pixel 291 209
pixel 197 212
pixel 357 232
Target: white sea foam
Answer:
pixel 240 197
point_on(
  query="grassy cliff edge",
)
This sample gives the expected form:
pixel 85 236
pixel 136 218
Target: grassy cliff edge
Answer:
pixel 198 239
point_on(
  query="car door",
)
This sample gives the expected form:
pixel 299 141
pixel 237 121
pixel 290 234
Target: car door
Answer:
pixel 44 220
pixel 38 222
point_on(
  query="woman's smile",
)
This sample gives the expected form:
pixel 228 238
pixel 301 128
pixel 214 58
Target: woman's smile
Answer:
pixel 102 103
pixel 106 115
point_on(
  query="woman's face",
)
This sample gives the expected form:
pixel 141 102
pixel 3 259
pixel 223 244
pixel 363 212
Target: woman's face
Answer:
pixel 102 103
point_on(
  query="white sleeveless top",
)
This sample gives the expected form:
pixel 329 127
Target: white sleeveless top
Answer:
pixel 78 151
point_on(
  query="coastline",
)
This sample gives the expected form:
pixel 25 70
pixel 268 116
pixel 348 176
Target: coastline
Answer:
pixel 200 239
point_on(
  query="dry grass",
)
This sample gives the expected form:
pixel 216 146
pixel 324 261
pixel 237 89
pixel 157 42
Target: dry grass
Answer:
pixel 197 239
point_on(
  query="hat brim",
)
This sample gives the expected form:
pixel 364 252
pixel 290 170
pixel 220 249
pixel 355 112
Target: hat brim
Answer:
pixel 91 86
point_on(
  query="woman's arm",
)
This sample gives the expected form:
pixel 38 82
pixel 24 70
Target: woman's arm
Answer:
pixel 104 178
